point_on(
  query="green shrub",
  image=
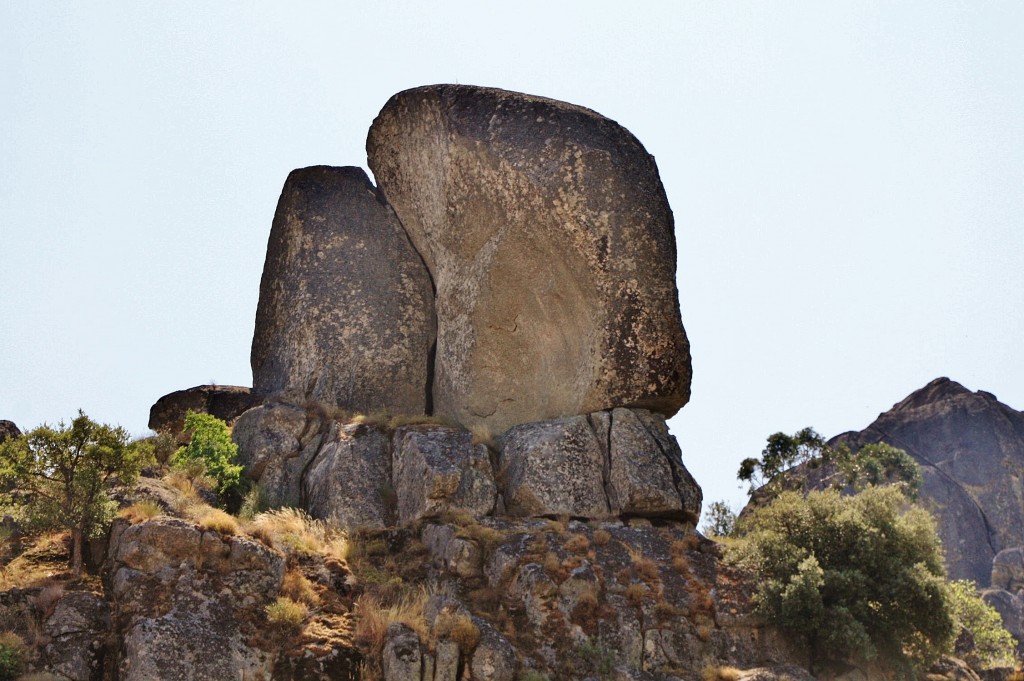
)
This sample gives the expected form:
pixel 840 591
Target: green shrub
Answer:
pixel 849 577
pixel 993 644
pixel 212 447
pixel 286 613
pixel 13 655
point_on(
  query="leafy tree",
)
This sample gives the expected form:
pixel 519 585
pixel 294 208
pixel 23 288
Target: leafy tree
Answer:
pixel 212 448
pixel 720 520
pixel 873 464
pixel 993 644
pixel 782 453
pixel 848 577
pixel 61 477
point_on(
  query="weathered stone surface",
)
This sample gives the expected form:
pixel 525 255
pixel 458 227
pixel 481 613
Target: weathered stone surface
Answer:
pixel 971 451
pixel 226 402
pixel 76 633
pixel 437 469
pixel 553 468
pixel 493 659
pixel 276 443
pixel 550 241
pixel 1008 570
pixel 346 304
pixel 646 472
pixel 185 601
pixel 619 462
pixel 349 481
pixel 1010 607
pixel 8 430
pixel 450 552
pixel 403 657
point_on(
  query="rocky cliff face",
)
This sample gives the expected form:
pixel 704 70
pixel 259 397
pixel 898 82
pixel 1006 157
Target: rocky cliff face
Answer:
pixel 970 448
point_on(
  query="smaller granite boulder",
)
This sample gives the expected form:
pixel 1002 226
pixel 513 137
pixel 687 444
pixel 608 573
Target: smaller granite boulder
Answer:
pixel 402 657
pixel 349 481
pixel 621 462
pixel 553 468
pixel 1008 570
pixel 276 442
pixel 76 632
pixel 439 469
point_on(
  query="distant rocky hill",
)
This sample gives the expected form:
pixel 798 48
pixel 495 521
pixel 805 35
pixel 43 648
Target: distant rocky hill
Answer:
pixel 970 448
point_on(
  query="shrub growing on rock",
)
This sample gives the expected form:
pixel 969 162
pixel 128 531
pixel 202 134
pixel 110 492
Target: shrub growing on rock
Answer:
pixel 993 644
pixel 849 577
pixel 13 655
pixel 212 447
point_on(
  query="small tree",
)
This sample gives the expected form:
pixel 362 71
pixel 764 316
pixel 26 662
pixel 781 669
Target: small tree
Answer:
pixel 848 576
pixel 61 477
pixel 875 464
pixel 720 520
pixel 211 446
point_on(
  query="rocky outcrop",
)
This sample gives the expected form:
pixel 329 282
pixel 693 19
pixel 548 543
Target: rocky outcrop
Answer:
pixel 76 633
pixel 971 451
pixel 8 430
pixel 188 601
pixel 346 304
pixel 226 402
pixel 550 241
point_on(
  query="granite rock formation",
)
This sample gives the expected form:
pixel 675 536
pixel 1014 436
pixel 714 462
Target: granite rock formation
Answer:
pixel 970 448
pixel 346 304
pixel 8 430
pixel 550 241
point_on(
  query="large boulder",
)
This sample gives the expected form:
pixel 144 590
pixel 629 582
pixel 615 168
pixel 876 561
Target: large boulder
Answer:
pixel 345 314
pixel 550 241
pixel 970 448
pixel 226 402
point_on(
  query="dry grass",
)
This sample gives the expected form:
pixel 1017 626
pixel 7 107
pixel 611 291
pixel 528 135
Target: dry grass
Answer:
pixel 46 600
pixel 458 628
pixel 577 543
pixel 720 673
pixel 46 558
pixel 293 532
pixel 647 568
pixel 147 509
pixel 373 618
pixel 552 565
pixel 286 613
pixel 681 565
pixel 636 592
pixel 602 537
pixel 482 435
pixel 296 587
pixel 219 521
pixel 399 420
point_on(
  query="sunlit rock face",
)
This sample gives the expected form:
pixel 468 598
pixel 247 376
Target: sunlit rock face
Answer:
pixel 550 242
pixel 345 314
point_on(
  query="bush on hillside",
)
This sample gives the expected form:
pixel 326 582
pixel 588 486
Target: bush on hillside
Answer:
pixel 211 447
pixel 849 577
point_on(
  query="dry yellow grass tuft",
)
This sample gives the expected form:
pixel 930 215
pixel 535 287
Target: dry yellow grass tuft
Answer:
pixel 458 628
pixel 602 537
pixel 720 673
pixel 293 532
pixel 296 587
pixel 220 521
pixel 373 618
pixel 147 509
pixel 286 613
pixel 577 543
pixel 636 592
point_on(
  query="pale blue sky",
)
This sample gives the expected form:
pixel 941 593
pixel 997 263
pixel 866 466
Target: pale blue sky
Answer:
pixel 847 181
